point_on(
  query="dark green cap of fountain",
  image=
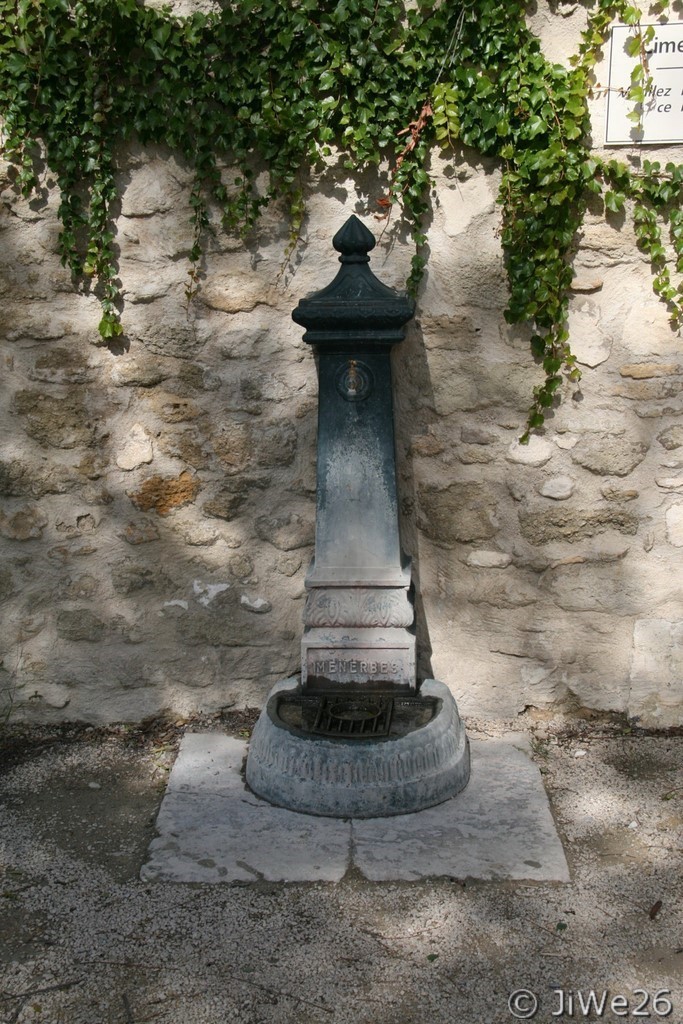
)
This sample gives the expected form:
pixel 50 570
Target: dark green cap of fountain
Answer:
pixel 355 306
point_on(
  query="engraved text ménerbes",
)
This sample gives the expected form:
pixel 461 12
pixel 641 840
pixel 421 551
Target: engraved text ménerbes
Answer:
pixel 339 666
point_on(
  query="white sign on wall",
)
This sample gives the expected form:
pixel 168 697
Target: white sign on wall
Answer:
pixel 662 120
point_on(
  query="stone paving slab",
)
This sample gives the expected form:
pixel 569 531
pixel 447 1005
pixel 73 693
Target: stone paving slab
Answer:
pixel 499 827
pixel 212 829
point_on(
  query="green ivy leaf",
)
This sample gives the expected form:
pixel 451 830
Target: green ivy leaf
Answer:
pixel 614 201
pixel 109 327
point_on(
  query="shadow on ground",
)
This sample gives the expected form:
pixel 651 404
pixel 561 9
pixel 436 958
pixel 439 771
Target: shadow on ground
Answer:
pixel 84 942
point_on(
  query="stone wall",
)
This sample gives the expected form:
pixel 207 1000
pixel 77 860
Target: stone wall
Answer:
pixel 158 497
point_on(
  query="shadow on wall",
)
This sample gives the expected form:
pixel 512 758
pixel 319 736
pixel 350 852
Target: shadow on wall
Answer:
pixel 545 571
pixel 159 503
pixel 158 495
pixel 158 513
pixel 549 574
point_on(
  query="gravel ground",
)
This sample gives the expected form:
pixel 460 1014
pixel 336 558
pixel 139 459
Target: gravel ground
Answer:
pixel 83 941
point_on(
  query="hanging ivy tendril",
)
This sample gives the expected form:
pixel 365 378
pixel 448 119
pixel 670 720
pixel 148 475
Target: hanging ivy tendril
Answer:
pixel 287 85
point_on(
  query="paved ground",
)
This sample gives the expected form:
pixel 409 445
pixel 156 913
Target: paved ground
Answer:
pixel 213 828
pixel 83 941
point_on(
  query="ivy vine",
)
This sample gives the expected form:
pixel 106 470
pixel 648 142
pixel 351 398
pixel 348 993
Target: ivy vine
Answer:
pixel 289 86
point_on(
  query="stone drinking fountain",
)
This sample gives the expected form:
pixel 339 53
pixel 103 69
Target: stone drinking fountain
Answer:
pixel 359 736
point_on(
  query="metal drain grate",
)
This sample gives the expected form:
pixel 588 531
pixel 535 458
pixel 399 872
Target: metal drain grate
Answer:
pixel 355 715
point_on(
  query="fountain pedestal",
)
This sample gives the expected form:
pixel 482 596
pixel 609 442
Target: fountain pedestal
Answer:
pixel 357 737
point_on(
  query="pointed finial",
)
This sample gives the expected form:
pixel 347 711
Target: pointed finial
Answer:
pixel 355 308
pixel 354 241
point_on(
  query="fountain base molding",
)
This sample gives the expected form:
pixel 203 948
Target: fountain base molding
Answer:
pixel 358 755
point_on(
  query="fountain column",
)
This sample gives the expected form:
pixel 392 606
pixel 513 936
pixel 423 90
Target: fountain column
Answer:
pixel 359 616
pixel 358 735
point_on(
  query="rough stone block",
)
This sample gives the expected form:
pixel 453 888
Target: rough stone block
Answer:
pixel 471 433
pixel 168 334
pixel 607 455
pixel 465 202
pixel 7 587
pixel 646 390
pixel 225 623
pixel 164 494
pixel 138 371
pixel 597 587
pixel 135 449
pixel 232 443
pixel 235 292
pixel 154 188
pixel 489 559
pixel 62 422
pixel 536 453
pixel 460 513
pixel 669 483
pixel 647 331
pixel 275 444
pixel 656 678
pixel 141 532
pixel 540 526
pixel 153 240
pixel 65 366
pixel 27 523
pixel 226 503
pixel 591 345
pixel 611 493
pixel 475 456
pixel 169 407
pixel 287 532
pixel 186 446
pixel 674 524
pixel 452 390
pixel 510 592
pixel 587 282
pixel 427 445
pixel 129 577
pixel 79 624
pixel 559 488
pixel 644 371
pixel 32 478
pixel 671 438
